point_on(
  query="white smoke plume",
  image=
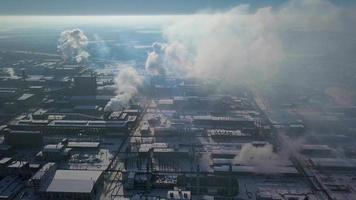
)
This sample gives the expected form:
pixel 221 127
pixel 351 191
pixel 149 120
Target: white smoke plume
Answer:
pixel 255 155
pixel 11 72
pixel 72 45
pixel 168 58
pixel 154 62
pixel 265 158
pixel 241 45
pixel 127 83
pixel 261 157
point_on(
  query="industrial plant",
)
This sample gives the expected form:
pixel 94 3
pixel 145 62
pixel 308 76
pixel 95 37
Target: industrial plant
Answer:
pixel 212 101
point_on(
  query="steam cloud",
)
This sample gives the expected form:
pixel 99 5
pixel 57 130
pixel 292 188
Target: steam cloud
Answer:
pixel 154 62
pixel 265 159
pixel 72 45
pixel 11 72
pixel 168 58
pixel 127 82
pixel 241 45
pixel 261 157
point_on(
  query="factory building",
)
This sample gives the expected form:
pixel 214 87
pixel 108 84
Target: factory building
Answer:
pixel 27 100
pixel 286 171
pixel 162 150
pixel 7 94
pixel 28 125
pixel 40 114
pixel 88 109
pixel 223 122
pixel 179 194
pixel 281 193
pixel 72 184
pixel 90 100
pixel 334 164
pixel 55 152
pixel 56 125
pixel 84 85
pixel 9 166
pixel 23 139
pixel 223 134
pixel 83 146
pixel 316 150
pixel 211 184
pixel 41 176
pixel 87 127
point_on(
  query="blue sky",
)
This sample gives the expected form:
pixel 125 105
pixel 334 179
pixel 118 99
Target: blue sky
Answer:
pixel 120 7
pixel 129 7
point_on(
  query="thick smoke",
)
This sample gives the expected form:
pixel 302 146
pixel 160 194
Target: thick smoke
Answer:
pixel 127 83
pixel 168 58
pixel 241 45
pixel 154 62
pixel 252 155
pixel 261 157
pixel 267 160
pixel 72 45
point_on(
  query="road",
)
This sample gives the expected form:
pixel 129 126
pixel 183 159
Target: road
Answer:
pixel 283 140
pixel 113 185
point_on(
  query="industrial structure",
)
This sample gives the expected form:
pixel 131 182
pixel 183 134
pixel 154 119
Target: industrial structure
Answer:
pixel 176 139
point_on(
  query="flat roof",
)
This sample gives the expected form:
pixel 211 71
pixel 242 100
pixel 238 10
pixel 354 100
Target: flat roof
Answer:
pixel 255 170
pixel 165 101
pixel 86 107
pixel 315 147
pixel 73 181
pixel 225 132
pixel 53 147
pixel 25 97
pixel 83 144
pixel 334 162
pixel 214 118
pixel 100 97
pixel 91 123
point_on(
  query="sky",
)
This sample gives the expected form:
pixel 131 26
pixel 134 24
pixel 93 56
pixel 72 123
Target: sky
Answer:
pixel 121 7
pixel 231 40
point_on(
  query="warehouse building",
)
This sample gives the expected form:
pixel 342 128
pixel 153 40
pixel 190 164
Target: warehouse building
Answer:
pixel 23 139
pixel 72 184
pixel 224 122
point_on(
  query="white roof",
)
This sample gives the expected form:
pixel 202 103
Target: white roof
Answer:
pixel 73 181
pixel 83 144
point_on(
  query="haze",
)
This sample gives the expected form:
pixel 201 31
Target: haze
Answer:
pixel 175 99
